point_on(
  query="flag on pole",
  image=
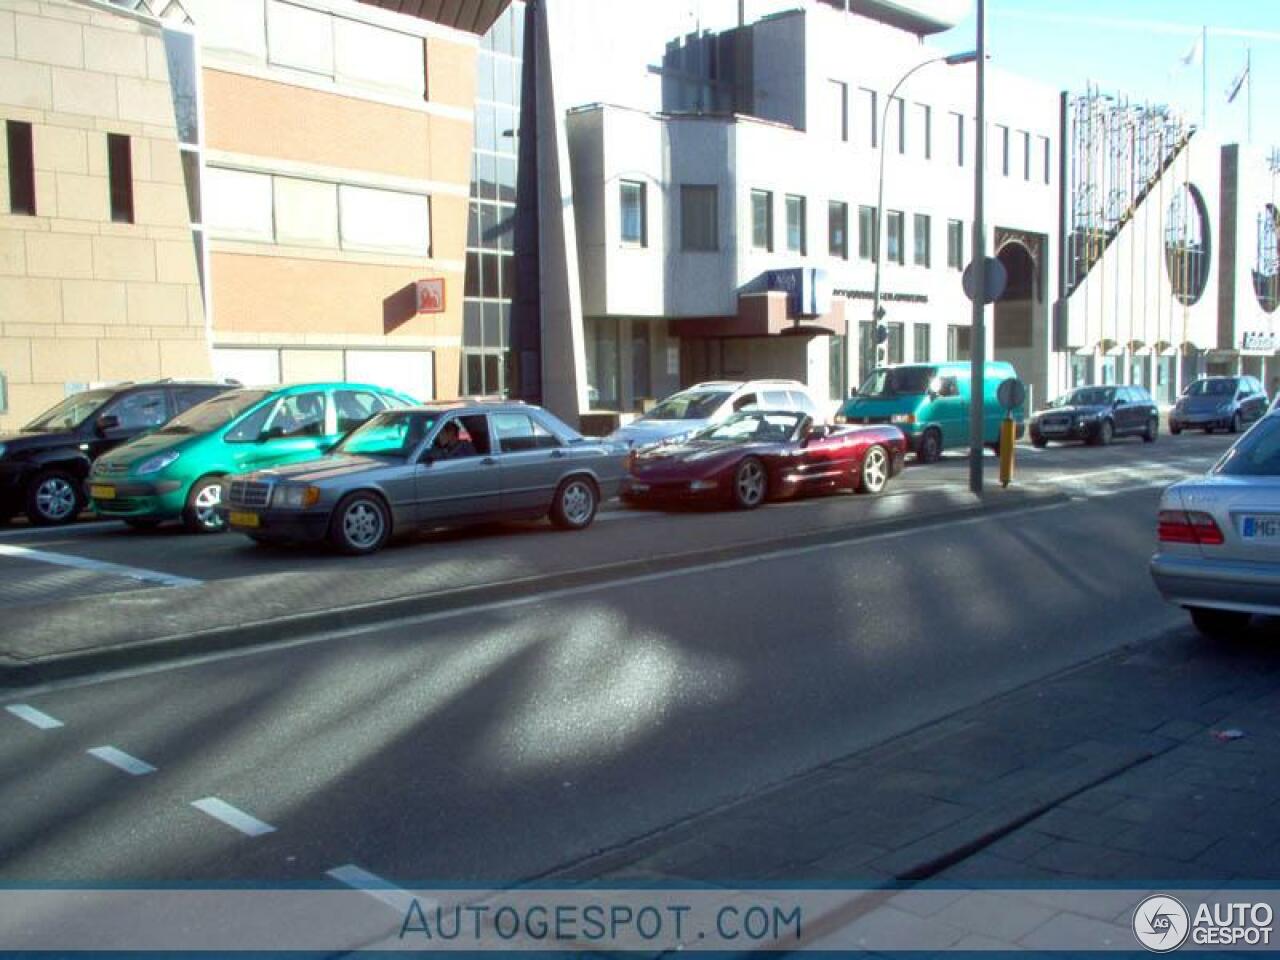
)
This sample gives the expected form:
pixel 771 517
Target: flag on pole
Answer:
pixel 1195 54
pixel 1237 83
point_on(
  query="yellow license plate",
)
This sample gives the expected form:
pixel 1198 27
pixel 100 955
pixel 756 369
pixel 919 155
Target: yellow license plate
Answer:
pixel 239 518
pixel 102 493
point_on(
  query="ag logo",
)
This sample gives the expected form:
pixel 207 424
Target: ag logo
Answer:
pixel 1161 923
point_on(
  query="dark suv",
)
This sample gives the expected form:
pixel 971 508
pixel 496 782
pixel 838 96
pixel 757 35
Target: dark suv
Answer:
pixel 1219 403
pixel 44 465
pixel 1097 415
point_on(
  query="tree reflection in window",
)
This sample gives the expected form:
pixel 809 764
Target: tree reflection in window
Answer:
pixel 1266 268
pixel 1187 249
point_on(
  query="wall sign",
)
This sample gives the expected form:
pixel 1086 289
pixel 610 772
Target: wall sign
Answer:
pixel 890 297
pixel 430 295
pixel 807 288
pixel 1260 341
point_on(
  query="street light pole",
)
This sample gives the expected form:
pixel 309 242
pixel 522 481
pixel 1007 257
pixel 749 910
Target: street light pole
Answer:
pixel 877 254
pixel 978 333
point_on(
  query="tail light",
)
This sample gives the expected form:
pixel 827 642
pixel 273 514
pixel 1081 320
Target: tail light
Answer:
pixel 1189 526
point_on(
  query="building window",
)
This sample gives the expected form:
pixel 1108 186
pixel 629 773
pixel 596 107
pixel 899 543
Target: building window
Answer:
pixel 762 220
pixel 699 218
pixel 634 213
pixel 898 118
pixel 894 244
pixel 1046 160
pixel 958 339
pixel 1026 155
pixel 920 346
pixel 924 116
pixel 838 229
pixel 22 168
pixel 866 350
pixel 922 253
pixel 796 225
pixel 838 109
pixel 955 245
pixel 120 172
pixel 836 367
pixel 868 233
pixel 894 345
pixel 867 106
pixel 957 124
pixel 1004 149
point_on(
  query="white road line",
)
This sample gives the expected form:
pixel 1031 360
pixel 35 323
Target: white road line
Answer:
pixel 74 530
pixel 122 761
pixel 233 817
pixel 36 718
pixel 97 566
pixel 384 890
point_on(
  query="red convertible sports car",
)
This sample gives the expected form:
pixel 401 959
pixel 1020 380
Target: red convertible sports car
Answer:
pixel 760 455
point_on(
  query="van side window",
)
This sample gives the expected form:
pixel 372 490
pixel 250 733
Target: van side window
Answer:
pixel 950 387
pixel 777 400
pixel 744 402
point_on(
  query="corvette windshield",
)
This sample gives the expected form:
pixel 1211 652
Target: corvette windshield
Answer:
pixel 754 428
pixel 690 405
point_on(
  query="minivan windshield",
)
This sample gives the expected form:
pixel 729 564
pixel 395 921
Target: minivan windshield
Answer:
pixel 897 381
pixel 689 405
pixel 70 413
pixel 1212 388
pixel 1257 454
pixel 215 413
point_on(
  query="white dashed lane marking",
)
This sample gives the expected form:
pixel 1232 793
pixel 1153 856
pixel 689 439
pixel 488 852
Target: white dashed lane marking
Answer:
pixel 233 817
pixel 384 890
pixel 36 718
pixel 97 566
pixel 122 761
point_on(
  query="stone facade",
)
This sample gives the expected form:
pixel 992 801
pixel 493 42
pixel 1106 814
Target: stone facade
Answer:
pixel 85 299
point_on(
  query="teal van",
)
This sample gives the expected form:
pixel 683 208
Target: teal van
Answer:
pixel 929 402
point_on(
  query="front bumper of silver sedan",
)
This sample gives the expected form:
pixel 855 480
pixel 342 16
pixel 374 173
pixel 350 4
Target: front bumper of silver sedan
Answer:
pixel 1197 581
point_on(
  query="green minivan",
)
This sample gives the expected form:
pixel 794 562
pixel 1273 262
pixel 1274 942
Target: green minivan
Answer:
pixel 176 472
pixel 929 402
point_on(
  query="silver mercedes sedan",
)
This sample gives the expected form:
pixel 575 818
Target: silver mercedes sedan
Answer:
pixel 1219 552
pixel 430 467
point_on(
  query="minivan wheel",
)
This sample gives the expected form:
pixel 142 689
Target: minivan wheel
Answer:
pixel 575 504
pixel 53 498
pixel 750 484
pixel 201 514
pixel 1219 624
pixel 360 524
pixel 930 449
pixel 875 471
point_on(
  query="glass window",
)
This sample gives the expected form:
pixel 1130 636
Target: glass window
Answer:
pixel 777 400
pixel 689 405
pixel 699 218
pixel 921 253
pixel 179 49
pixel 955 245
pixel 1004 148
pixel 866 349
pixel 519 431
pixel 384 220
pixel 895 343
pixel 375 57
pixel 1026 154
pixel 306 212
pixel 603 363
pixel 894 241
pixel 298 415
pixel 354 407
pixel 507 172
pixel 920 348
pixel 138 411
pixel 388 435
pixel 299 38
pixel 1256 455
pixel 191 178
pixel 633 213
pixel 836 361
pixel 867 107
pixel 958 342
pixel 838 109
pixel 120 174
pixel 957 125
pixel 240 206
pixel 1046 159
pixel 762 219
pixel 186 397
pixel 868 227
pixel 796 241
pixel 22 169
pixel 897 132
pixel 924 114
pixel 838 229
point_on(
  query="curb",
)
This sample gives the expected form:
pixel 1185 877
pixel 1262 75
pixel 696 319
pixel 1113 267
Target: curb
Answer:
pixel 22 673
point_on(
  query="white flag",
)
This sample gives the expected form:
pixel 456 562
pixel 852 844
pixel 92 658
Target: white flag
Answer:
pixel 1195 54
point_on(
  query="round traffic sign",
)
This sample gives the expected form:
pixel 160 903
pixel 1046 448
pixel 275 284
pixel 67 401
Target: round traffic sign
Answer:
pixel 1011 393
pixel 997 278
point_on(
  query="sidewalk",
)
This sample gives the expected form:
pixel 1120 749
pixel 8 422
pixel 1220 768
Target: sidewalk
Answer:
pixel 1107 774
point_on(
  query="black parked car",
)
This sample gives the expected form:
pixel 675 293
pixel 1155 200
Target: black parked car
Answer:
pixel 1097 415
pixel 1219 403
pixel 44 465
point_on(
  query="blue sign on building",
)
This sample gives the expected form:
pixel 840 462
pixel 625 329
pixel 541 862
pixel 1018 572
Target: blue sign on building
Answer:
pixel 808 290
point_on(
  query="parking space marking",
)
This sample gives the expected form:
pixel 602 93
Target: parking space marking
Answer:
pixel 357 879
pixel 37 718
pixel 122 761
pixel 233 817
pixel 74 530
pixel 98 566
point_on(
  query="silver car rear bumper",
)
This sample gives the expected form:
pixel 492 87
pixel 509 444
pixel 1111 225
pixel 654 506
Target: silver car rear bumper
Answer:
pixel 1192 581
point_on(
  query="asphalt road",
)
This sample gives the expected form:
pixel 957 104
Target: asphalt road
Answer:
pixel 497 743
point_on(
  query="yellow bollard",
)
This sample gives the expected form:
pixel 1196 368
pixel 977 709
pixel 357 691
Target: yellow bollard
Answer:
pixel 1007 441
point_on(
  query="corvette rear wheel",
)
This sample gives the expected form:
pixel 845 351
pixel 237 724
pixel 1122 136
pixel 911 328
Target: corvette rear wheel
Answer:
pixel 750 484
pixel 875 471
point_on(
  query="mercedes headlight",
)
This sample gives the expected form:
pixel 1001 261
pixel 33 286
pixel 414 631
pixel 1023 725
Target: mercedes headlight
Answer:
pixel 157 463
pixel 295 496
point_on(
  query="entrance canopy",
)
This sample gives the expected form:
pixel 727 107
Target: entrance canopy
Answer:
pixel 474 16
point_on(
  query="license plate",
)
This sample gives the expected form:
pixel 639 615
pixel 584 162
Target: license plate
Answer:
pixel 1260 528
pixel 102 493
pixel 240 518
